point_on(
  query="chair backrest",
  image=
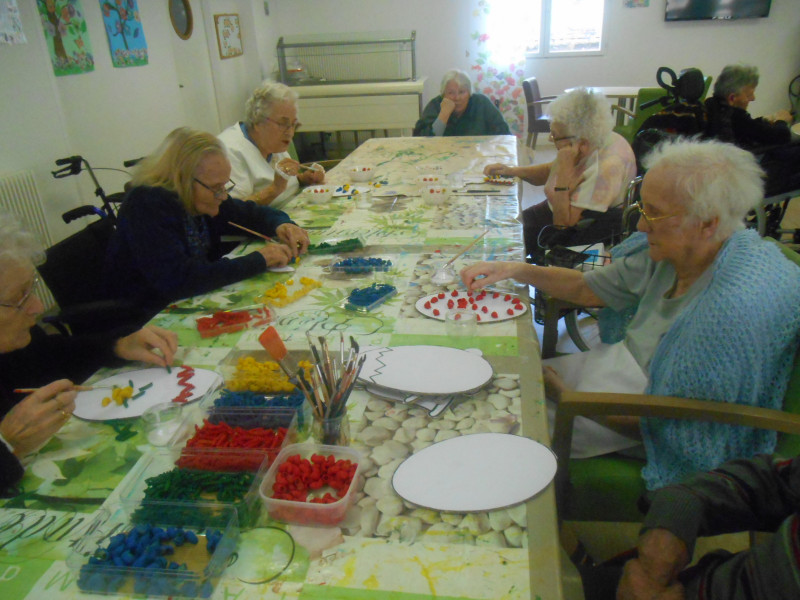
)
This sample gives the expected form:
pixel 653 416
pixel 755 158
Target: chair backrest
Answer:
pixel 629 129
pixel 794 96
pixel 533 97
pixel 73 269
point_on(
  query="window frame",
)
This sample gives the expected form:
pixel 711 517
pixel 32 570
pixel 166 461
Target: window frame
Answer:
pixel 544 40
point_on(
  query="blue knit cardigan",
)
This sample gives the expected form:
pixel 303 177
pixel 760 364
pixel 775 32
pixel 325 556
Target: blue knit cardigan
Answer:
pixel 734 342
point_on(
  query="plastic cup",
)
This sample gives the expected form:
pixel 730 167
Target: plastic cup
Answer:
pixel 460 323
pixel 161 421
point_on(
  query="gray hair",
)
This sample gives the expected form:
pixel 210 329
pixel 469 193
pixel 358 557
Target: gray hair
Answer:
pixel 733 78
pixel 264 97
pixel 711 179
pixel 585 113
pixel 17 244
pixel 460 77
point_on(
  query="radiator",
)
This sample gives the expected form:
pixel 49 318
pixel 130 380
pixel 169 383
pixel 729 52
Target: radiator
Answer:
pixel 19 196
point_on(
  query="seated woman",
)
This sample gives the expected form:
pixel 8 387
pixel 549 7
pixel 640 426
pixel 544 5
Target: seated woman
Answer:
pixel 167 242
pixel 31 359
pixel 258 147
pixel 457 111
pixel 716 307
pixel 587 180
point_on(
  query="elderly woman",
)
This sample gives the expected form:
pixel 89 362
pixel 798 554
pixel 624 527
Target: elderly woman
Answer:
pixel 258 147
pixel 716 307
pixel 167 242
pixel 31 359
pixel 587 180
pixel 457 111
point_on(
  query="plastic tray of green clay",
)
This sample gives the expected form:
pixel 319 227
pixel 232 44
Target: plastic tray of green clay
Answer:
pixel 367 298
pixel 333 246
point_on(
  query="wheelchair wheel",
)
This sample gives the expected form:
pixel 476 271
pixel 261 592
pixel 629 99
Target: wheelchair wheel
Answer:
pixel 582 328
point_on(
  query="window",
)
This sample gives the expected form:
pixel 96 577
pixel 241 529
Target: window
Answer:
pixel 545 28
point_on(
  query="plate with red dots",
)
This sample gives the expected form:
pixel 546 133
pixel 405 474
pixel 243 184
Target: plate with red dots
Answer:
pixel 489 306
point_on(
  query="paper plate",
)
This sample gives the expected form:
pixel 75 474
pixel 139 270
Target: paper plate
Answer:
pixel 475 473
pixel 426 370
pixel 89 405
pixel 490 306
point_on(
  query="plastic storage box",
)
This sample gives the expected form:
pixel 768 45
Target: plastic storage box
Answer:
pixel 169 557
pixel 308 513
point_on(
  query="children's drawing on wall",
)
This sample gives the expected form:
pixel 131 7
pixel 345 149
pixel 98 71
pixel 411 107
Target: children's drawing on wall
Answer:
pixel 125 34
pixel 10 25
pixel 229 35
pixel 66 36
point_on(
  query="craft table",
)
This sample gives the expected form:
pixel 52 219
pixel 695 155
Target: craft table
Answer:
pixel 506 554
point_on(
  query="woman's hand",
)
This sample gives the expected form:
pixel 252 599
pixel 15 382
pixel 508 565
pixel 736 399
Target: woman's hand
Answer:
pixel 499 169
pixel 276 255
pixel 141 345
pixel 486 273
pixel 294 237
pixel 653 575
pixel 312 175
pixel 446 109
pixel 30 423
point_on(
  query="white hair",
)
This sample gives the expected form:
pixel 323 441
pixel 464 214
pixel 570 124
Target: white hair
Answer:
pixel 584 113
pixel 264 97
pixel 17 245
pixel 460 77
pixel 711 179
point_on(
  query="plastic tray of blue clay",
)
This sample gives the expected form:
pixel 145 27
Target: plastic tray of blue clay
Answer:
pixel 360 264
pixel 367 298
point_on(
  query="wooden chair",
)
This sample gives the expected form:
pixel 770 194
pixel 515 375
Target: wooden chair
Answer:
pixel 608 488
pixel 537 121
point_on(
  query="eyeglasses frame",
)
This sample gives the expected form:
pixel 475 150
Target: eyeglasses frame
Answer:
pixel 21 304
pixel 285 127
pixel 223 193
pixel 648 219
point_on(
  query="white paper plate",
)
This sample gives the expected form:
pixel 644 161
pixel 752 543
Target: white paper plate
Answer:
pixel 474 473
pixel 486 306
pixel 88 405
pixel 428 370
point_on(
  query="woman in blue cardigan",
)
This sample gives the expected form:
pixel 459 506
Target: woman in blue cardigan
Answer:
pixel 167 243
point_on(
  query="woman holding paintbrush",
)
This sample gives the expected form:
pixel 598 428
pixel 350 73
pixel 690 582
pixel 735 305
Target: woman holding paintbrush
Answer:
pixel 47 363
pixel 167 242
pixel 258 148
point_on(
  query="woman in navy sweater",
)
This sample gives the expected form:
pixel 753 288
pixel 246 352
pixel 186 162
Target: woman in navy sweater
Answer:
pixel 167 243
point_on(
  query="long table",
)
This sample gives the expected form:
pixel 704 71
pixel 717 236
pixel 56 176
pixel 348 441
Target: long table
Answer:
pixel 511 554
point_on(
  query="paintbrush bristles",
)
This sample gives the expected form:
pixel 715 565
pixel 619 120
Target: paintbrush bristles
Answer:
pixel 272 343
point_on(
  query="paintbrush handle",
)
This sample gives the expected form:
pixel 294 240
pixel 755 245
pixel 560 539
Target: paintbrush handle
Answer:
pixel 255 233
pixel 465 250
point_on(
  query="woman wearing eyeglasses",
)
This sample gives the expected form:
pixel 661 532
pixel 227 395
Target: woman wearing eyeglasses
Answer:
pixel 258 148
pixel 585 183
pixel 47 363
pixel 712 307
pixel 167 242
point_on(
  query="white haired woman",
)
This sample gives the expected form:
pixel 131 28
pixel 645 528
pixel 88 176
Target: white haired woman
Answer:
pixel 587 180
pixel 457 111
pixel 715 308
pixel 47 363
pixel 258 148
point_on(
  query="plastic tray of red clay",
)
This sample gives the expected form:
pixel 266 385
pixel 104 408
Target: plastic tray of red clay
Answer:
pixel 489 306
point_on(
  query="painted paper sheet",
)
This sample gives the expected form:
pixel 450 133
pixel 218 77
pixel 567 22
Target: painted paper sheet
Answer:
pixel 125 34
pixel 10 25
pixel 66 35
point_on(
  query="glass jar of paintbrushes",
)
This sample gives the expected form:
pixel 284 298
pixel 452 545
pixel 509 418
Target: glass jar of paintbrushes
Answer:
pixel 334 431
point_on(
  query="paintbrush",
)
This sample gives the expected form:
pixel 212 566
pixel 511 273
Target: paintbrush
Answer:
pixel 255 233
pixel 273 344
pixel 77 388
pixel 465 250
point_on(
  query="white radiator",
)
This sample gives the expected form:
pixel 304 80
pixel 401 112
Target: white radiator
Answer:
pixel 19 196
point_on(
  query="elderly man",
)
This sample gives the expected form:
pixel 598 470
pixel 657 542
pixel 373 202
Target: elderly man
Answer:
pixel 728 118
pixel 715 308
pixel 758 494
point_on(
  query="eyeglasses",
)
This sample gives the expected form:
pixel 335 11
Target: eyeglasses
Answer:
pixel 219 192
pixel 21 304
pixel 284 126
pixel 560 139
pixel 638 206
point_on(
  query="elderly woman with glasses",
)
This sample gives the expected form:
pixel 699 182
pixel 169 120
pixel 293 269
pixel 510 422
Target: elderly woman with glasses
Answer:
pixel 258 148
pixel 585 183
pixel 167 242
pixel 714 309
pixel 48 364
pixel 458 111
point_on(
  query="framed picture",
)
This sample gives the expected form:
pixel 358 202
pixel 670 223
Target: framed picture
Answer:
pixel 229 36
